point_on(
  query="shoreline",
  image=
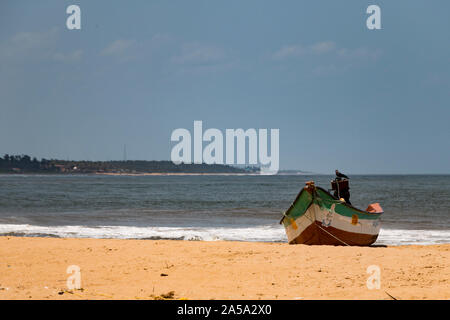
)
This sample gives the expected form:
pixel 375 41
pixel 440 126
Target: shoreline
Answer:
pixel 174 174
pixel 155 174
pixel 130 174
pixel 35 268
pixel 262 234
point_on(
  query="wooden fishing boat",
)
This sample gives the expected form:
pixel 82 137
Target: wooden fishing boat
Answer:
pixel 317 217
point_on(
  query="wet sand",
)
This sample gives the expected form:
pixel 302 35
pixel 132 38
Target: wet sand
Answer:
pixel 35 268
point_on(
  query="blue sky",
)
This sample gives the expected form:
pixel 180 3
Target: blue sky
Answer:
pixel 343 96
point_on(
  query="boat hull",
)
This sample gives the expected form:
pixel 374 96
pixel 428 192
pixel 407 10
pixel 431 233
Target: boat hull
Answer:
pixel 317 218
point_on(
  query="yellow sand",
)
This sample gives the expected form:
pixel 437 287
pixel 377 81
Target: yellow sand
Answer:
pixel 35 268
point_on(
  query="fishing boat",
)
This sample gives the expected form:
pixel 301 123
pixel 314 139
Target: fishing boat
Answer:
pixel 317 217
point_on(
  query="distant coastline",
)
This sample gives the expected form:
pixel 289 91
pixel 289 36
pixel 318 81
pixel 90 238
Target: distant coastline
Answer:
pixel 24 164
pixel 256 173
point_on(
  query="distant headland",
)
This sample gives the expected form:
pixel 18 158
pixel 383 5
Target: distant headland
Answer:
pixel 26 164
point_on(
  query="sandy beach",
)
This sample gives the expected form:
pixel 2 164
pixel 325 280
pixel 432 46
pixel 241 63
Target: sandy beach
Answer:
pixel 35 268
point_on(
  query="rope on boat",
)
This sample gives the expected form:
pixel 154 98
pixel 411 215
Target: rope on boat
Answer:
pixel 319 203
pixel 319 199
pixel 330 233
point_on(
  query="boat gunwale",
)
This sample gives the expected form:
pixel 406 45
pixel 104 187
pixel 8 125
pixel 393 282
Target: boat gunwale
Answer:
pixel 286 213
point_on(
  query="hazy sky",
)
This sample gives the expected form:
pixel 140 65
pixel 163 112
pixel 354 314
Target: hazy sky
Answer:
pixel 343 96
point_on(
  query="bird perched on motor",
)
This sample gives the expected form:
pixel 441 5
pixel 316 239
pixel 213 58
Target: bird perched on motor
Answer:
pixel 344 191
pixel 341 175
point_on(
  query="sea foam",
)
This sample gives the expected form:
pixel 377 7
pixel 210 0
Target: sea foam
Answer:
pixel 264 233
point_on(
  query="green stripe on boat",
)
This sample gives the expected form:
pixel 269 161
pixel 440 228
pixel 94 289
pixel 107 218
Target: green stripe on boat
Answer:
pixel 324 200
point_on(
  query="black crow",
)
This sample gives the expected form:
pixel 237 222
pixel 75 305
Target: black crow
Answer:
pixel 341 175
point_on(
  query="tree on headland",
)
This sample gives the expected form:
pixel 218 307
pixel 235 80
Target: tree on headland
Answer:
pixel 26 164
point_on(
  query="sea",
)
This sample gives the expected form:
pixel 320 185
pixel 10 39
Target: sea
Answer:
pixel 210 207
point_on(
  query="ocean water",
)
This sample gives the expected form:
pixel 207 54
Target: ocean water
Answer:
pixel 242 208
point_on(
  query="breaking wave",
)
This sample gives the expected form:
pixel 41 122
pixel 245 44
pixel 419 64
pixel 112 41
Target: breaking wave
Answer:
pixel 266 233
